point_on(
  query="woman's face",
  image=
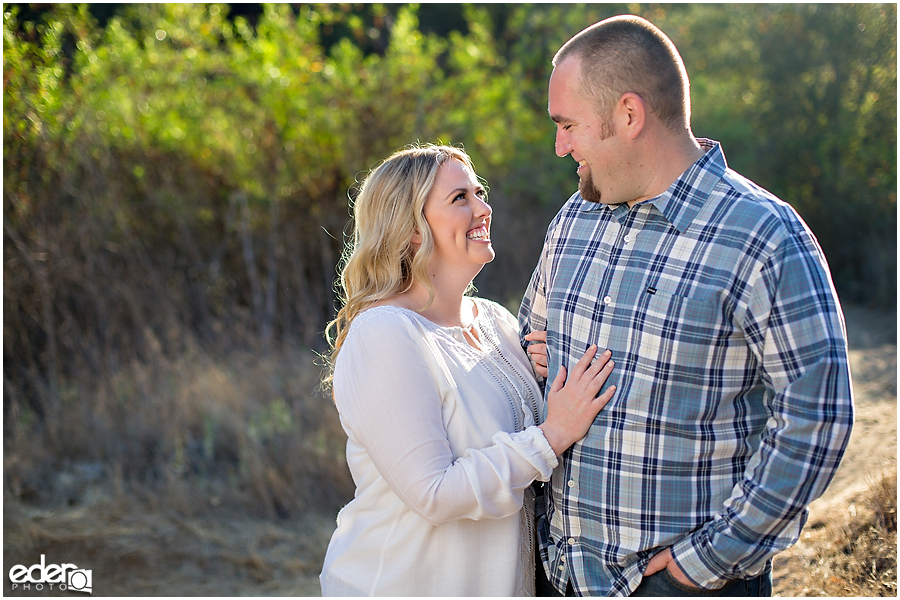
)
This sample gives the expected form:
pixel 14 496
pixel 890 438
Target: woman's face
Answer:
pixel 460 220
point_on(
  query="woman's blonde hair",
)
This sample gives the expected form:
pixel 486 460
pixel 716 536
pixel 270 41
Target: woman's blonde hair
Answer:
pixel 380 260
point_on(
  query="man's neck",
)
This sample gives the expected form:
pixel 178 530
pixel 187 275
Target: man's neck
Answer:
pixel 669 154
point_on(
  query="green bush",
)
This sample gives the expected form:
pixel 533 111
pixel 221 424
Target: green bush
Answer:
pixel 179 178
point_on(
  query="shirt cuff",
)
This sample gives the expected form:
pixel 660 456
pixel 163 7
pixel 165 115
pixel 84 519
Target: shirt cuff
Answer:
pixel 694 559
pixel 544 458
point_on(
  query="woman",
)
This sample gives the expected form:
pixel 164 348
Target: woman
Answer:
pixel 437 397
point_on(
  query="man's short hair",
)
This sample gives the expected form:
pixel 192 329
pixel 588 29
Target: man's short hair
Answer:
pixel 629 54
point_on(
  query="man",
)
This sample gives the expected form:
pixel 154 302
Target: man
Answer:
pixel 734 404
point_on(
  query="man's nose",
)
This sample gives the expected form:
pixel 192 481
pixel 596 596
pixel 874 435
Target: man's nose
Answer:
pixel 562 142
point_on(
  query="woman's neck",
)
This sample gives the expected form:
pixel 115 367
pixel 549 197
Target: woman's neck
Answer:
pixel 447 309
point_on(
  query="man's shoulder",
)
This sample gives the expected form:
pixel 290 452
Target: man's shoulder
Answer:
pixel 746 188
pixel 750 203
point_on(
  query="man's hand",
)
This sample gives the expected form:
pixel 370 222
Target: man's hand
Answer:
pixel 663 560
pixel 538 352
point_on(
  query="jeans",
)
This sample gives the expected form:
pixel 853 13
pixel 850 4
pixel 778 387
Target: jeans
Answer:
pixel 663 584
pixel 542 586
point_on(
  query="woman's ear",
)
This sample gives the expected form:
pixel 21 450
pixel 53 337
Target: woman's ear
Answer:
pixel 416 239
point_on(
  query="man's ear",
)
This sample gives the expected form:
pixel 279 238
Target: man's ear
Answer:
pixel 632 114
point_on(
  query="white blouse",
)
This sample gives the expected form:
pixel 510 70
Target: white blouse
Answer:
pixel 442 447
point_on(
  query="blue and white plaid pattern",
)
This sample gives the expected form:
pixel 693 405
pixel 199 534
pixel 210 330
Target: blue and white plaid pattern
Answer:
pixel 734 403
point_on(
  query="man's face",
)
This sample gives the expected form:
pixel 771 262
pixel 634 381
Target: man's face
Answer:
pixel 590 140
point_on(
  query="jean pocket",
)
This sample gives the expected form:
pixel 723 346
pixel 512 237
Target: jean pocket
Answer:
pixel 684 589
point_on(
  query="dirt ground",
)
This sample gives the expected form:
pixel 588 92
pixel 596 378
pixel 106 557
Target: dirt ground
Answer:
pixel 135 552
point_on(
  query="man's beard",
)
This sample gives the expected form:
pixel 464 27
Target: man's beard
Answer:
pixel 588 190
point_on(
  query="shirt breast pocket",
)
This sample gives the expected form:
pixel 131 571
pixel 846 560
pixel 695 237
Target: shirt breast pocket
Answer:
pixel 680 330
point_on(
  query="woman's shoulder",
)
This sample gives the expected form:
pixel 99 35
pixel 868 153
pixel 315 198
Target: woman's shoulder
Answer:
pixel 384 316
pixel 383 332
pixel 493 310
pixel 400 323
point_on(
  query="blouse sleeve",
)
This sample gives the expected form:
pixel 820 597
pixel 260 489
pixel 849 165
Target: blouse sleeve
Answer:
pixel 387 392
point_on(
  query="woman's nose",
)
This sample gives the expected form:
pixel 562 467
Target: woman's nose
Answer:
pixel 483 209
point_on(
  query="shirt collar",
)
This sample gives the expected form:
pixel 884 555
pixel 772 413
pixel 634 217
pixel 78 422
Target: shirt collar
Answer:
pixel 681 202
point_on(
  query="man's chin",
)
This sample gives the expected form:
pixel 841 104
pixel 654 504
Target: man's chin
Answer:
pixel 588 190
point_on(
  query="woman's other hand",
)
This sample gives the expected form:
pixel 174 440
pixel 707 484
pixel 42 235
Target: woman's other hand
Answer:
pixel 573 402
pixel 538 352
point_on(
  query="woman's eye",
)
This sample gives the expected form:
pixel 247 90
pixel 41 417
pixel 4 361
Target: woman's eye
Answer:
pixel 480 194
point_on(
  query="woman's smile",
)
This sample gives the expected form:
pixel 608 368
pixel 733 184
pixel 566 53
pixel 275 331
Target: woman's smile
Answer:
pixel 479 234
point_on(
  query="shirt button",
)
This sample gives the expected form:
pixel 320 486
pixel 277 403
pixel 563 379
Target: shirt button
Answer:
pixel 607 300
pixel 562 559
pixel 627 239
pixel 571 483
pixel 571 541
pixel 561 567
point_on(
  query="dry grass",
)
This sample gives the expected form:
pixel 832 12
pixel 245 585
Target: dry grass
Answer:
pixel 867 559
pixel 196 476
pixel 852 553
pixel 238 431
pixel 133 552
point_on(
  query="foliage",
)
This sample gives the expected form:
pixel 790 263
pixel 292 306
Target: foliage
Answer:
pixel 804 98
pixel 182 175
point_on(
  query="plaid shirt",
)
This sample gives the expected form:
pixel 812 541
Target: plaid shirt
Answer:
pixel 734 403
